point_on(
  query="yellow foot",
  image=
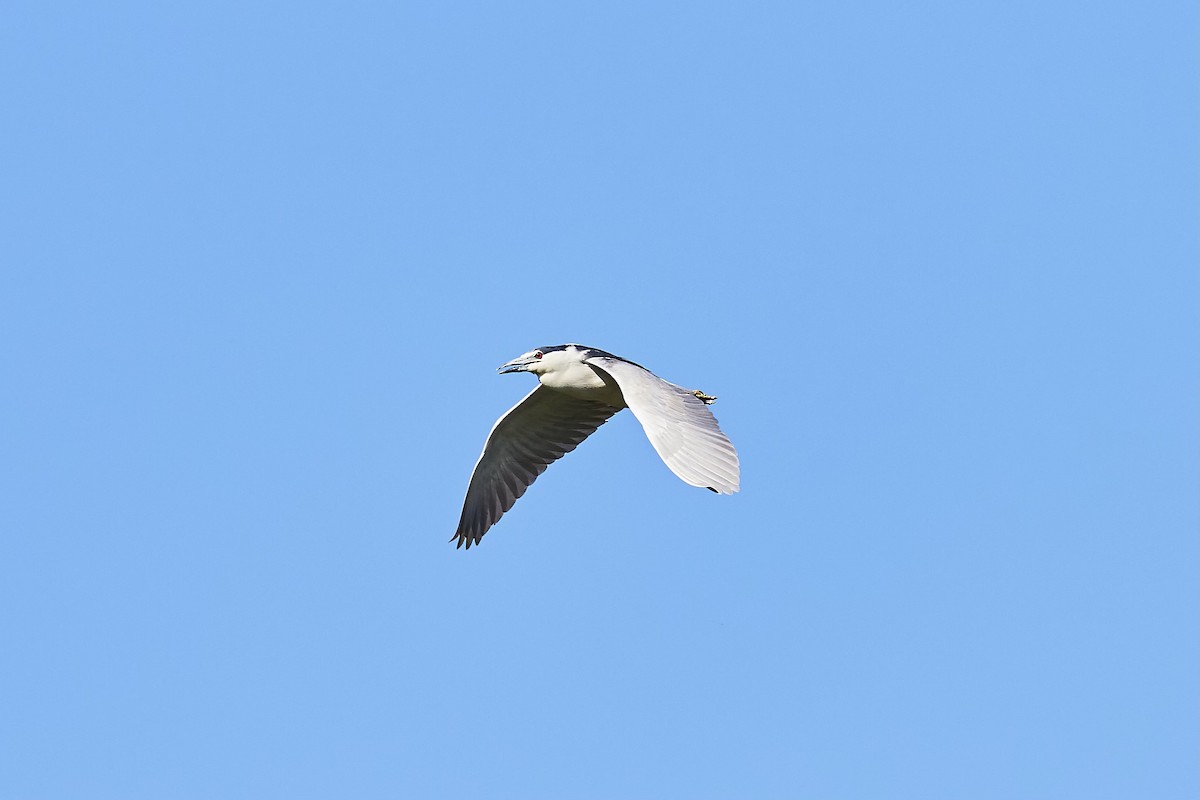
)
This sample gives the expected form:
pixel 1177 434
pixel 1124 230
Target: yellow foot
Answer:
pixel 706 399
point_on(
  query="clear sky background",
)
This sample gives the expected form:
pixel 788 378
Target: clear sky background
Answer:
pixel 261 260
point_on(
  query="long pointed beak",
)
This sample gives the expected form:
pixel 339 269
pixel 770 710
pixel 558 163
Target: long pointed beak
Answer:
pixel 516 365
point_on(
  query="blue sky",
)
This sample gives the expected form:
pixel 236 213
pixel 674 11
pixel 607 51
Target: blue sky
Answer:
pixel 262 260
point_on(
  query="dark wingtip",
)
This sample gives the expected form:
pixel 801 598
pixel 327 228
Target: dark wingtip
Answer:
pixel 464 538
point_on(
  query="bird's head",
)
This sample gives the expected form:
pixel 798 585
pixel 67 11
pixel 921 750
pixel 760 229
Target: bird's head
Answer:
pixel 544 359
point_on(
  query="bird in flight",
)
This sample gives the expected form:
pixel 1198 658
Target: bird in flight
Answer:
pixel 578 389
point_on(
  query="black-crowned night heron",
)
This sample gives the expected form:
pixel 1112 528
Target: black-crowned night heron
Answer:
pixel 579 389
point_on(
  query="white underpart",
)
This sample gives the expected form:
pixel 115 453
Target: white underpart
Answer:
pixel 564 371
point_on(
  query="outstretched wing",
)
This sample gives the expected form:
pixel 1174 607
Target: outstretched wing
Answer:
pixel 534 433
pixel 678 424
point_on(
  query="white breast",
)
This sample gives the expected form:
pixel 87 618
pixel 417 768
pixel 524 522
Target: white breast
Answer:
pixel 584 381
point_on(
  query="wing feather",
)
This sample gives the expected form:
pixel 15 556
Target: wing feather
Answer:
pixel 678 424
pixel 536 432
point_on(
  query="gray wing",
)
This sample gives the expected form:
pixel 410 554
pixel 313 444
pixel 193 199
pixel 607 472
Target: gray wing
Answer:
pixel 679 425
pixel 534 433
